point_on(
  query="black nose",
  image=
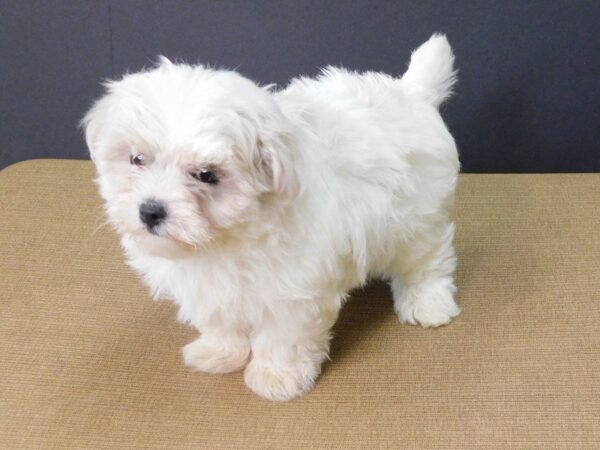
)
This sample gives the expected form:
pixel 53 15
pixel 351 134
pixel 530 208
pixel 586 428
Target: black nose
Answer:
pixel 152 213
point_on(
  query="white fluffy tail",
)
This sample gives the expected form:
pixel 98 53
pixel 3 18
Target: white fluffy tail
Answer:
pixel 431 75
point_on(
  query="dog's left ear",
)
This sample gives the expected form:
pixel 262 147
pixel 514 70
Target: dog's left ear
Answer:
pixel 274 158
pixel 275 155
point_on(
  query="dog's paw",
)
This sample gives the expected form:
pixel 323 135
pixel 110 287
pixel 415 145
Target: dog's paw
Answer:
pixel 429 305
pixel 279 383
pixel 214 355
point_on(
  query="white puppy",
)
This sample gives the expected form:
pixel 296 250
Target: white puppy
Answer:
pixel 258 210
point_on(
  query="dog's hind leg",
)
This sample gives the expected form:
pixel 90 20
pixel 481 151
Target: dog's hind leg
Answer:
pixel 422 278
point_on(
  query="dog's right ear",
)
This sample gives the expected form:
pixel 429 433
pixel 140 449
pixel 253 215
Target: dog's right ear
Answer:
pixel 91 125
pixel 97 118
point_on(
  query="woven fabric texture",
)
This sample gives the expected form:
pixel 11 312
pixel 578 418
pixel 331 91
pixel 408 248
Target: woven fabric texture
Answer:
pixel 87 360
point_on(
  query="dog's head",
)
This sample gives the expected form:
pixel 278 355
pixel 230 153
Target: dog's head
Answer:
pixel 188 155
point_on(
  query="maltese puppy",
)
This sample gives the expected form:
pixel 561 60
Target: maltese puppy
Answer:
pixel 256 210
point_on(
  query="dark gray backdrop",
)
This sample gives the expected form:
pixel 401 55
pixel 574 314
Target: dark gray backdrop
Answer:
pixel 527 99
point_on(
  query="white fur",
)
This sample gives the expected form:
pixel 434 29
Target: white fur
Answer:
pixel 322 185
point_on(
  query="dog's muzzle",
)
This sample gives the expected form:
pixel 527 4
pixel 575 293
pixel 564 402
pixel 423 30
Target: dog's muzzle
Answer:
pixel 152 213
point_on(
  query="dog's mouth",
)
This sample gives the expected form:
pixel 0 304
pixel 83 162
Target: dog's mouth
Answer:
pixel 170 239
pixel 156 244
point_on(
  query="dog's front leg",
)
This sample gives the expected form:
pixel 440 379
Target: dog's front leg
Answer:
pixel 287 352
pixel 218 350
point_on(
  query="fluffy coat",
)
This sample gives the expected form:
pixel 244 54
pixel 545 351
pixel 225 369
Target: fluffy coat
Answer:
pixel 320 186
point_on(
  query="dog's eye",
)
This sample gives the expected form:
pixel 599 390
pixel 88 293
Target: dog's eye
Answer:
pixel 137 160
pixel 206 176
